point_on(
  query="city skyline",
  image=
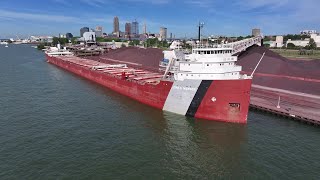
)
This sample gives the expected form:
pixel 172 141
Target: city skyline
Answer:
pixel 235 18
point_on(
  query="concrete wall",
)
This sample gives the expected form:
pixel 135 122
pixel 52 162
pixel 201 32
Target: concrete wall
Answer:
pixel 302 43
pixel 89 36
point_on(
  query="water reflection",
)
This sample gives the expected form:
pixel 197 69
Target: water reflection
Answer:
pixel 218 149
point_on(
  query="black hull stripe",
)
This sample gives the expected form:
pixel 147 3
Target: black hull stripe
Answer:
pixel 197 99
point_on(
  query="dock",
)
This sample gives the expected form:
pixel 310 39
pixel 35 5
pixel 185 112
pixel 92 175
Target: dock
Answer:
pixel 294 105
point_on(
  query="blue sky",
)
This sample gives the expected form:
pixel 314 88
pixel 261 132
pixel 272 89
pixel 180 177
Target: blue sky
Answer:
pixel 222 17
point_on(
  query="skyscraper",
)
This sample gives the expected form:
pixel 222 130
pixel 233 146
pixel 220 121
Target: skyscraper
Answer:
pixel 144 28
pixel 116 25
pixel 83 30
pixel 256 32
pixel 135 28
pixel 163 33
pixel 99 31
pixel 128 29
pixel 69 36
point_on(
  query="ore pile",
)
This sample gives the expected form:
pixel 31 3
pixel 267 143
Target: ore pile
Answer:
pixel 275 64
pixel 149 57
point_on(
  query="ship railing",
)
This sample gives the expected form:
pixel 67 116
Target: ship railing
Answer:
pixel 205 46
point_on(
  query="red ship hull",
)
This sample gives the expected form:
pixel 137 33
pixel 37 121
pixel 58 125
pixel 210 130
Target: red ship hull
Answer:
pixel 219 100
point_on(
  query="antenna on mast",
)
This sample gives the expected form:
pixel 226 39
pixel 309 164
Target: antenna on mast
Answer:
pixel 200 26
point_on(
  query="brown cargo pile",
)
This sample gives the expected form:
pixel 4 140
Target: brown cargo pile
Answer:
pixel 275 64
pixel 149 57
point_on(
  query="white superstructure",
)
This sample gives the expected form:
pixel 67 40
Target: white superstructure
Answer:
pixel 204 62
pixel 57 51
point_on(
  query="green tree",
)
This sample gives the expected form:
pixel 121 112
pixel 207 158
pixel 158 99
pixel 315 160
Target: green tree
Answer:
pixel 291 46
pixel 312 44
pixel 134 43
pixel 239 38
pixel 266 45
pixel 61 41
pixel 295 36
pixel 40 46
pixel 74 40
pixel 152 42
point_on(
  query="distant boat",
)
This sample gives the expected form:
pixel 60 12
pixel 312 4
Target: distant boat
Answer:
pixel 5 43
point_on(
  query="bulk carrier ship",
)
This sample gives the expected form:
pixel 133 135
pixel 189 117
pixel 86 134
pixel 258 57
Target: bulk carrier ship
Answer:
pixel 204 84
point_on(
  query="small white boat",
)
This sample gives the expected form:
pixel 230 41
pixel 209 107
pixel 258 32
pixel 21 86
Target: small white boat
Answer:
pixel 5 43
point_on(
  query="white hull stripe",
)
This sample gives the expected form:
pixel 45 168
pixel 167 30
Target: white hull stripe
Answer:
pixel 181 95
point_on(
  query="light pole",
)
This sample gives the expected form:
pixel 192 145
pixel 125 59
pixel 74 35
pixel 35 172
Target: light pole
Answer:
pixel 278 106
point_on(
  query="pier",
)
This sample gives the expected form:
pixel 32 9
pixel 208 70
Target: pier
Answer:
pixel 294 105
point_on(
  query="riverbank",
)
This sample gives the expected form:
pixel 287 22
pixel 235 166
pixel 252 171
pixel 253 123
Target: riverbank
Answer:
pixel 298 55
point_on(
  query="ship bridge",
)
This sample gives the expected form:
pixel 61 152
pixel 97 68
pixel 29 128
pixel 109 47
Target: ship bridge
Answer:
pixel 207 61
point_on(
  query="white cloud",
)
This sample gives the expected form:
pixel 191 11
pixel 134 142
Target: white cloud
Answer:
pixel 201 3
pixel 37 17
pixel 96 3
pixel 266 4
pixel 64 2
pixel 101 3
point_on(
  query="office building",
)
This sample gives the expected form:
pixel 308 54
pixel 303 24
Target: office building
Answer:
pixel 69 36
pixel 134 28
pixel 163 33
pixel 127 29
pixel 116 25
pixel 279 41
pixel 83 30
pixel 256 32
pixel 99 31
pixel 89 37
pixel 144 28
pixel 308 32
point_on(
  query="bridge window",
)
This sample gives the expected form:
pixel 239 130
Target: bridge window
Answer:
pixel 208 52
pixel 207 64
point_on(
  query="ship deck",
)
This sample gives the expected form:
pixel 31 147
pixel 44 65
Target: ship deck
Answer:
pixel 118 70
